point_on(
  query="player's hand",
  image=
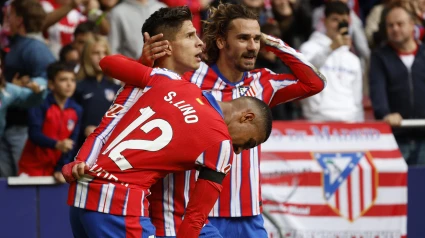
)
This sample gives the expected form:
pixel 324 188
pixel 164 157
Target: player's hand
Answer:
pixel 64 145
pixel 59 177
pixel 89 129
pixel 153 49
pixel 394 119
pixel 74 170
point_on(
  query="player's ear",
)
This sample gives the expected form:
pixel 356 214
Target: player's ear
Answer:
pixel 220 43
pixel 169 50
pixel 247 117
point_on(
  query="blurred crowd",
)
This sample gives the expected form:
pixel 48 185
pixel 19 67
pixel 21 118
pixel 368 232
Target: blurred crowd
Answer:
pixel 53 93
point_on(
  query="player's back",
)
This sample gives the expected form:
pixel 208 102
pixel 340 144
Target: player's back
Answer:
pixel 167 130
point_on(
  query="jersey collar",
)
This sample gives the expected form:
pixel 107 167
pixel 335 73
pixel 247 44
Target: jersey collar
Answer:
pixel 217 71
pixel 210 98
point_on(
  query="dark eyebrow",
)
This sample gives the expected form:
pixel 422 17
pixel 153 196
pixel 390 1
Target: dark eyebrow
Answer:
pixel 191 33
pixel 251 143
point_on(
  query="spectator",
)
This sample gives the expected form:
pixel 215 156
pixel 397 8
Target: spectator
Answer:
pixel 69 55
pixel 28 56
pixel 267 59
pixel 63 17
pixel 84 32
pixel 95 92
pixel 356 30
pixel 126 20
pixel 10 94
pixel 341 100
pixel 258 6
pixel 294 19
pixel 107 5
pixel 397 83
pixel 53 127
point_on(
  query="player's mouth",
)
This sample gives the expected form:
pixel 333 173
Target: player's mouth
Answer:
pixel 198 57
pixel 249 57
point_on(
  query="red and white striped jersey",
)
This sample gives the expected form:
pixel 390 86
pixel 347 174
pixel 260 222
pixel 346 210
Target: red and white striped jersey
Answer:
pixel 61 33
pixel 143 138
pixel 241 194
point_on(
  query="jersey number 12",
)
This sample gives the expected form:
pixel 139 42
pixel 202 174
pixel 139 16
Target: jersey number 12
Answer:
pixel 117 146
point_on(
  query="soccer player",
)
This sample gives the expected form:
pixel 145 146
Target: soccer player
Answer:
pixel 143 137
pixel 232 37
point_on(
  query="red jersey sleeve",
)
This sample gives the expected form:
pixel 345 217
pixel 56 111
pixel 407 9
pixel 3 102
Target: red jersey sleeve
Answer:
pixel 305 81
pixel 126 70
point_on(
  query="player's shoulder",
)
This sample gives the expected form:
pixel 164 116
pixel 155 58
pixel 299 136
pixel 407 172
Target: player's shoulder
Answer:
pixel 260 72
pixel 166 73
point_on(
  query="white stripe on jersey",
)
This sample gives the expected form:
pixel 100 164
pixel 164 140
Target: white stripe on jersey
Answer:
pixel 216 90
pixel 186 186
pixel 124 210
pixel 257 87
pixel 168 193
pixel 224 156
pixel 200 160
pixel 143 205
pixel 254 179
pixel 199 75
pixel 165 72
pixel 106 197
pixel 81 192
pixel 235 204
pixel 104 135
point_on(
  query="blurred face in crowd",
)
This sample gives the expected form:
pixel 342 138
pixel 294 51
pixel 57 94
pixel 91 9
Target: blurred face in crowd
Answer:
pixel 331 24
pixel 400 26
pixel 281 6
pixel 241 46
pixel 97 53
pixel 108 4
pixel 186 49
pixel 72 57
pixel 80 40
pixel 15 21
pixel 63 85
pixel 253 3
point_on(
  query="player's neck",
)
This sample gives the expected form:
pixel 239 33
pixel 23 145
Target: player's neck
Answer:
pixel 60 101
pixel 227 110
pixel 168 63
pixel 231 74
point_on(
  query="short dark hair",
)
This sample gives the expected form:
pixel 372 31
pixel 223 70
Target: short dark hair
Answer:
pixel 396 5
pixel 85 27
pixel 64 51
pixel 54 68
pixel 32 13
pixel 218 25
pixel 336 7
pixel 167 20
pixel 266 117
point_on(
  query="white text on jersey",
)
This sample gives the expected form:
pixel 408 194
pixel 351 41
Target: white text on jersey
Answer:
pixel 187 109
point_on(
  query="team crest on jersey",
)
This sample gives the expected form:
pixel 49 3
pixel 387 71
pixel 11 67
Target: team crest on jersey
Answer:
pixel 109 94
pixel 246 91
pixel 70 125
pixel 349 182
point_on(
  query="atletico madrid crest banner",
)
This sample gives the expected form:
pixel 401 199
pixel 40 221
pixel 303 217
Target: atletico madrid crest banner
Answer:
pixel 334 180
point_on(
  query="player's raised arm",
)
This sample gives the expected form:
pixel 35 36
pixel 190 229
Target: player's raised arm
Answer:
pixel 216 160
pixel 306 79
pixel 126 70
